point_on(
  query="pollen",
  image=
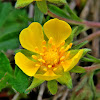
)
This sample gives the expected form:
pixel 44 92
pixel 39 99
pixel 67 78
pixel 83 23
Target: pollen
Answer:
pixel 49 66
pixel 34 56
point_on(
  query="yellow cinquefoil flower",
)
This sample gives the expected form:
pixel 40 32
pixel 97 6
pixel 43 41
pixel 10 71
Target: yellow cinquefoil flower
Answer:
pixel 53 58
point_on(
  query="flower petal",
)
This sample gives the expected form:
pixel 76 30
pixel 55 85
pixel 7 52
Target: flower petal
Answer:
pixel 32 37
pixel 57 29
pixel 49 75
pixel 69 64
pixel 26 65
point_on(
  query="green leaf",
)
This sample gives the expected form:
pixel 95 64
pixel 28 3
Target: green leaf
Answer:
pixel 22 3
pixel 54 9
pixel 11 24
pixel 71 13
pixel 80 45
pixel 27 53
pixel 66 80
pixel 93 58
pixel 5 10
pixel 85 51
pixel 78 69
pixel 57 1
pixel 52 86
pixel 20 81
pixel 4 64
pixel 71 37
pixel 42 5
pixel 38 15
pixel 4 81
pixel 36 82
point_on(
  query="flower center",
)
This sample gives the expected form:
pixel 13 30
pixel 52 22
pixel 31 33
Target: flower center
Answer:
pixel 51 55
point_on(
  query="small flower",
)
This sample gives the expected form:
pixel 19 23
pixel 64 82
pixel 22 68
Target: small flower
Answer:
pixel 53 58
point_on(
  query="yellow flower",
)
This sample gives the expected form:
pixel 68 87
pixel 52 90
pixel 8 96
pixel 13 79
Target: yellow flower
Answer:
pixel 53 58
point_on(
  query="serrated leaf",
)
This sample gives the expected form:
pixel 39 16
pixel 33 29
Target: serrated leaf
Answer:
pixel 4 64
pixel 42 5
pixel 66 80
pixel 78 69
pixel 22 3
pixel 38 15
pixel 20 81
pixel 52 86
pixel 36 82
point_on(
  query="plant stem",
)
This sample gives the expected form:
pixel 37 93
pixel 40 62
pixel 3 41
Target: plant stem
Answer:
pixel 92 68
pixel 86 23
pixel 90 37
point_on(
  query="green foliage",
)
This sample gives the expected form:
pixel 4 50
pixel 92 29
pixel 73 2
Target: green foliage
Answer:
pixel 36 82
pixel 11 22
pixel 90 58
pixel 66 80
pixel 38 15
pixel 42 5
pixel 78 69
pixel 19 81
pixel 52 86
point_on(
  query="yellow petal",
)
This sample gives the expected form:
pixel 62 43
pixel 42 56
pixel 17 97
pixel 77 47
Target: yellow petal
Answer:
pixel 49 75
pixel 57 29
pixel 69 64
pixel 26 65
pixel 32 37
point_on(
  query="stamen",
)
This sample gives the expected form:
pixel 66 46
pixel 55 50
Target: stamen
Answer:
pixel 41 54
pixel 43 42
pixel 49 66
pixel 54 69
pixel 45 69
pixel 50 40
pixel 55 61
pixel 68 47
pixel 62 58
pixel 68 54
pixel 44 48
pixel 62 49
pixel 37 65
pixel 34 57
pixel 36 49
pixel 62 43
pixel 41 60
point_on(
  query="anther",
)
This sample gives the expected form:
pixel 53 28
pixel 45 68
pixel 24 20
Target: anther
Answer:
pixel 37 65
pixel 41 60
pixel 62 43
pixel 62 58
pixel 36 49
pixel 50 40
pixel 62 49
pixel 34 57
pixel 41 54
pixel 68 47
pixel 44 48
pixel 55 61
pixel 54 69
pixel 45 69
pixel 49 66
pixel 43 42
